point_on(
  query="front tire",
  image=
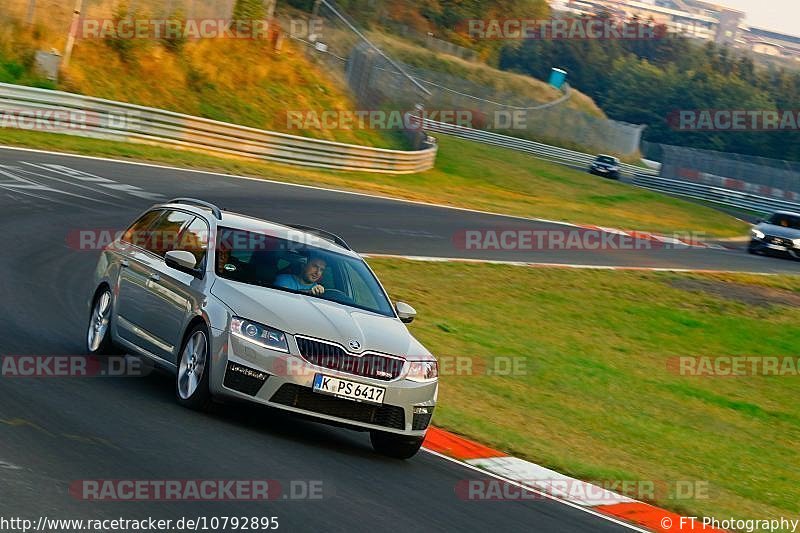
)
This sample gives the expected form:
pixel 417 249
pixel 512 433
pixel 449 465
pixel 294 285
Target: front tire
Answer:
pixel 98 336
pixel 191 381
pixel 395 446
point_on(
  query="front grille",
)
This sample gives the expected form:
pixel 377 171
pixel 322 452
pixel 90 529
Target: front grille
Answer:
pixel 778 240
pixel 389 416
pixel 369 365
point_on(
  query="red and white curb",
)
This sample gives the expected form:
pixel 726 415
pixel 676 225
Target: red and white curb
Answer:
pixel 573 492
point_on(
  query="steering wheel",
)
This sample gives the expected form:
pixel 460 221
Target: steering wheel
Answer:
pixel 338 296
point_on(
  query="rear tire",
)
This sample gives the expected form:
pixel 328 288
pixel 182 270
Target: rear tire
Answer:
pixel 98 336
pixel 191 381
pixel 395 446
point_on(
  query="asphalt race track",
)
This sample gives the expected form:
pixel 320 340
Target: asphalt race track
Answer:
pixel 55 431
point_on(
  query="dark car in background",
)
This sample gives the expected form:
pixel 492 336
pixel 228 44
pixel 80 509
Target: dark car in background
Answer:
pixel 779 234
pixel 605 165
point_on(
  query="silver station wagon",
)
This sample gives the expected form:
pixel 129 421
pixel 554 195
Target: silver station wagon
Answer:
pixel 285 316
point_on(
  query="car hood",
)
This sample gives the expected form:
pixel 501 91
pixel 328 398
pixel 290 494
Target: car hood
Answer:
pixel 300 314
pixel 779 231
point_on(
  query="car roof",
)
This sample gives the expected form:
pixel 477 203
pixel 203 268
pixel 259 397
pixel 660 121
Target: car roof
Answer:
pixel 239 221
pixel 606 155
pixel 791 213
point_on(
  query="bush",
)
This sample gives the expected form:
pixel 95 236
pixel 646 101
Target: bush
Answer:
pixel 124 47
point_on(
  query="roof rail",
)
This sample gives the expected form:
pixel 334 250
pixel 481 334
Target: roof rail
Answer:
pixel 327 235
pixel 194 201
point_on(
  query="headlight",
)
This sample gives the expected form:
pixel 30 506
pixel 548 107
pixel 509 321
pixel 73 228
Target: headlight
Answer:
pixel 796 243
pixel 757 234
pixel 423 371
pixel 259 334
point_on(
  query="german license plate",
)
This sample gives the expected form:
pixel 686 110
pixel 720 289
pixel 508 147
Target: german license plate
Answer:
pixel 776 247
pixel 350 390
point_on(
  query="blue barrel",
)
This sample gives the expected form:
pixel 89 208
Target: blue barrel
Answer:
pixel 557 77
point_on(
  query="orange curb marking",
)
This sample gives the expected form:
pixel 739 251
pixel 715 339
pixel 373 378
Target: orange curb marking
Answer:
pixel 642 514
pixel 652 517
pixel 457 447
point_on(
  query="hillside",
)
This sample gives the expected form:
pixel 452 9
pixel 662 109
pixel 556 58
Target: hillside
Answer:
pixel 494 80
pixel 248 82
pixel 234 80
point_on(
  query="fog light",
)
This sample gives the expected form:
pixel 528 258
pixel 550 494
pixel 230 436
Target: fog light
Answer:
pixel 422 417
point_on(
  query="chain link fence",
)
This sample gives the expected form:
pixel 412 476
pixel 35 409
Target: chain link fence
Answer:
pixel 769 177
pixel 380 82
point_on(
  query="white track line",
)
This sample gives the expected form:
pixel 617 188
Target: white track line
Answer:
pixel 562 265
pixel 314 187
pixel 538 492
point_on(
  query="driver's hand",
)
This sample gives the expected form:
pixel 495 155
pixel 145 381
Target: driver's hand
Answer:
pixel 317 289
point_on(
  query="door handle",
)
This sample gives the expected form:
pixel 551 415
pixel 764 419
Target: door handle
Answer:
pixel 124 263
pixel 155 277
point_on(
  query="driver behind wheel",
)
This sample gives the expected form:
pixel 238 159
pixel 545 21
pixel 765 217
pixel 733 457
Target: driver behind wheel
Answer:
pixel 307 280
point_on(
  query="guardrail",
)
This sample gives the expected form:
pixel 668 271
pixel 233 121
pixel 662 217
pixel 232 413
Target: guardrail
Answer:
pixel 106 119
pixel 572 158
pixel 717 195
pixel 643 177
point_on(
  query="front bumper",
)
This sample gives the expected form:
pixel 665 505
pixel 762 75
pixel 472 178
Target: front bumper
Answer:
pixel 602 171
pixel 241 369
pixel 768 248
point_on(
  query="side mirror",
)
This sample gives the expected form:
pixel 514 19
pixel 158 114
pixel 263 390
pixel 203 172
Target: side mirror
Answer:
pixel 181 260
pixel 405 312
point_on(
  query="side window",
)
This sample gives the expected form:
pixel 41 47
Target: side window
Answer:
pixel 137 234
pixel 195 239
pixel 361 291
pixel 165 231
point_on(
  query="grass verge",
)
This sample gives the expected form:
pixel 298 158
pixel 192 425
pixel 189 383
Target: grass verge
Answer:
pixel 597 400
pixel 495 179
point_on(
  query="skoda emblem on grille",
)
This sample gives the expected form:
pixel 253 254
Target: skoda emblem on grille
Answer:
pixel 354 344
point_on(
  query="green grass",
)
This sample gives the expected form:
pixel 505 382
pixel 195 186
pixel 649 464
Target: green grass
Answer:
pixel 597 400
pixel 466 175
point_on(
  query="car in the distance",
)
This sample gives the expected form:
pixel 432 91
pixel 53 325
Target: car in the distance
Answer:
pixel 779 234
pixel 195 289
pixel 605 165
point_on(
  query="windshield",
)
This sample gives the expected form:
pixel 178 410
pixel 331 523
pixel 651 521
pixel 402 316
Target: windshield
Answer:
pixel 787 221
pixel 264 260
pixel 606 159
